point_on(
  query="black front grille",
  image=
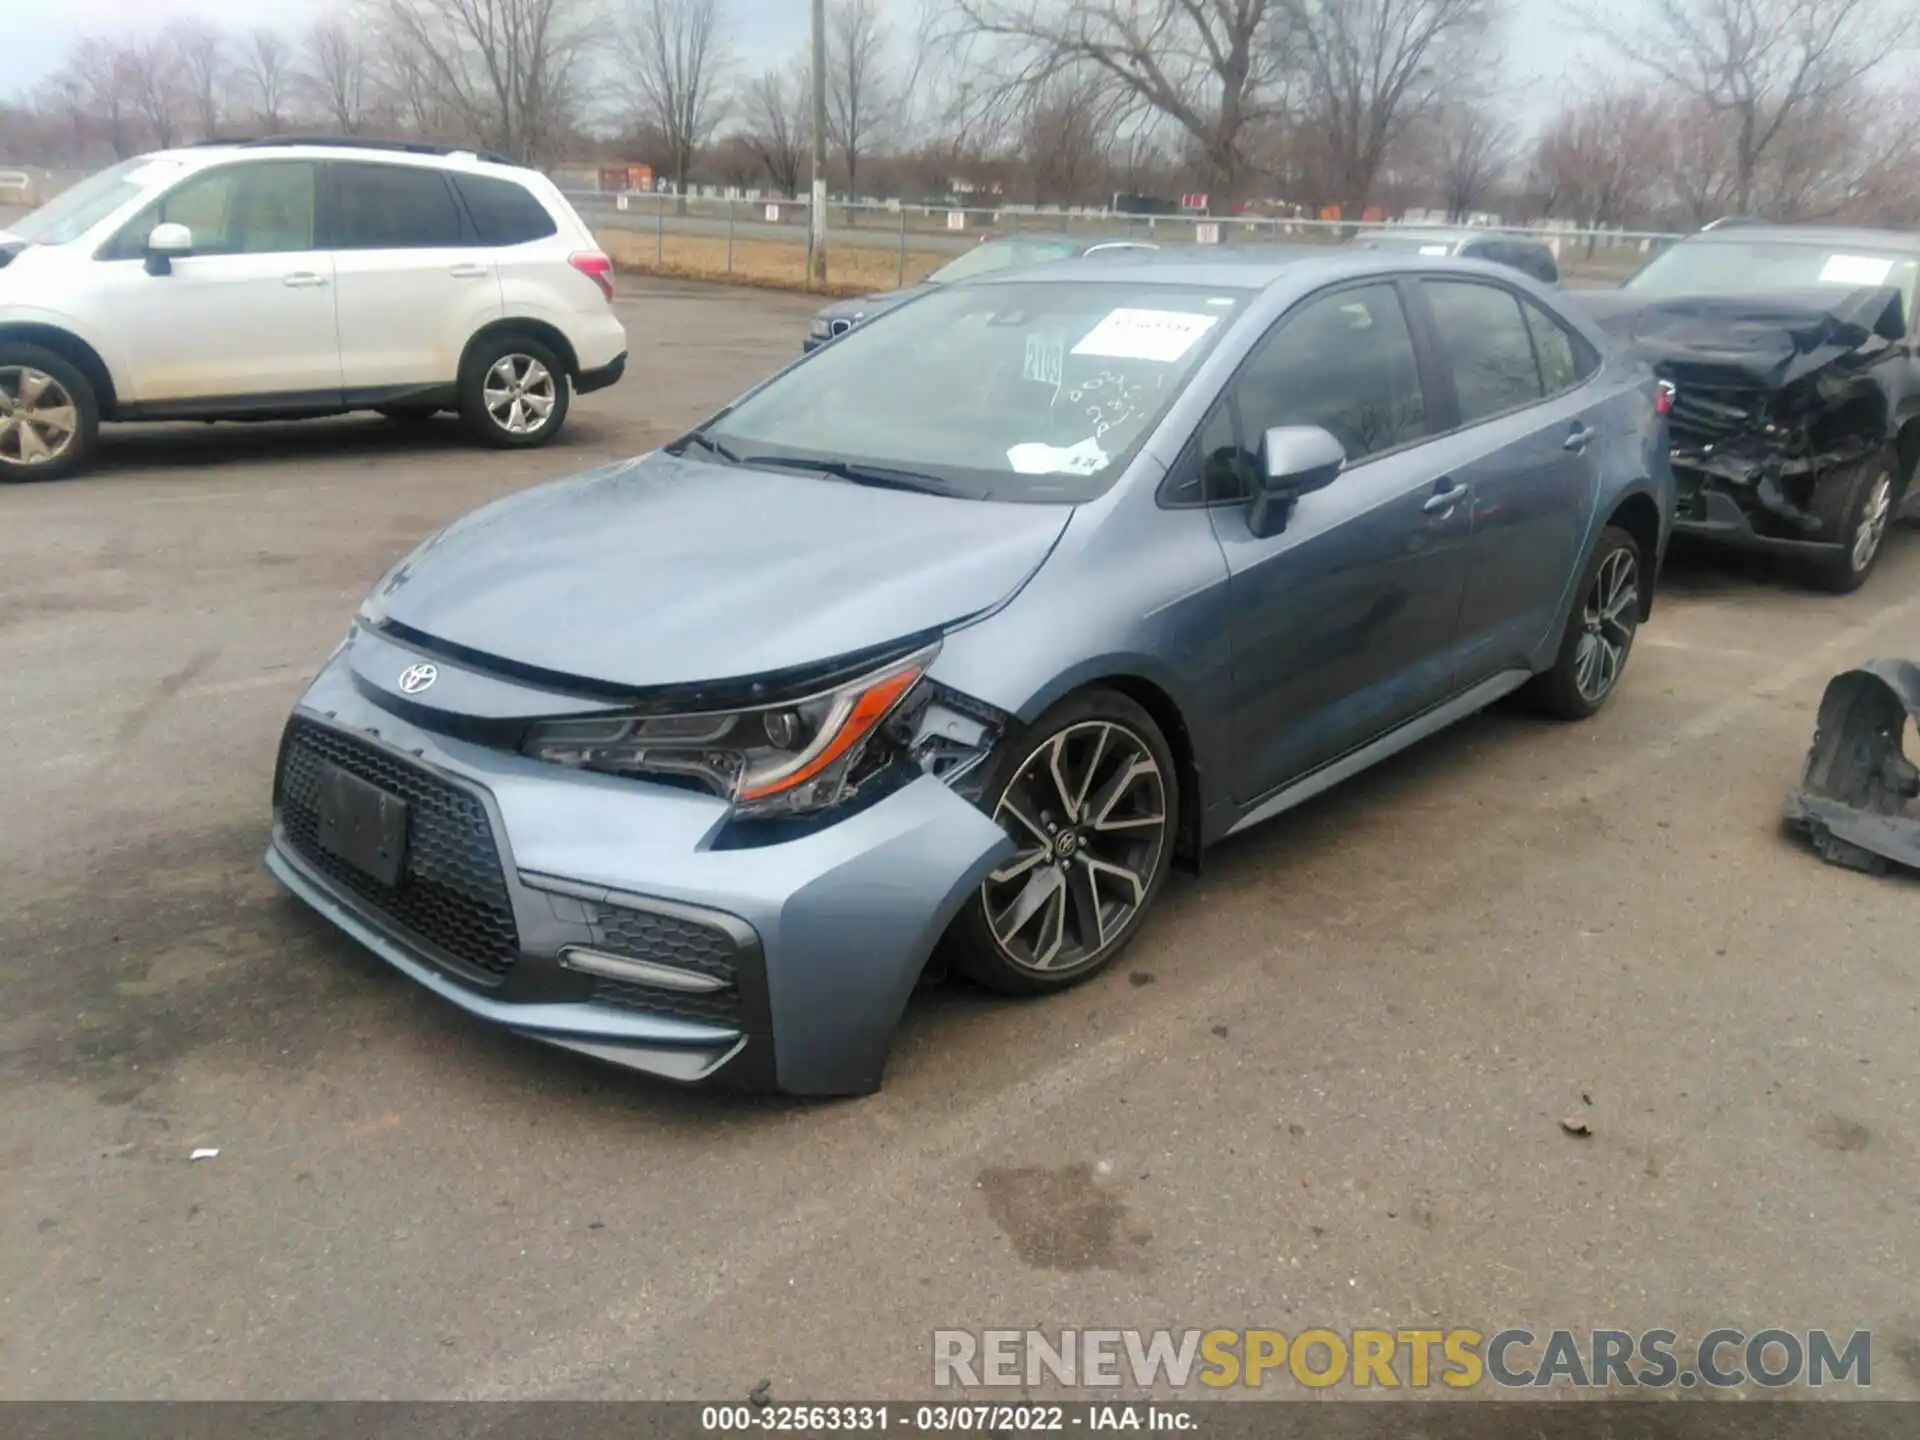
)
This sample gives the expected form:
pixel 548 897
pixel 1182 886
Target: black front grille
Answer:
pixel 452 894
pixel 685 944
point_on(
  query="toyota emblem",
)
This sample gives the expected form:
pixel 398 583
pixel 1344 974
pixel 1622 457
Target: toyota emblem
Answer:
pixel 416 678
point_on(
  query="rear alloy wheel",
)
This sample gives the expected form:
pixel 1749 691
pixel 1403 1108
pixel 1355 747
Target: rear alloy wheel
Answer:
pixel 1599 634
pixel 515 394
pixel 1855 505
pixel 48 416
pixel 1090 800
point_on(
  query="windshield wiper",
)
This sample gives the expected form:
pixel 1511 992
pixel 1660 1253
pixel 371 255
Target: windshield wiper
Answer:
pixel 877 476
pixel 705 442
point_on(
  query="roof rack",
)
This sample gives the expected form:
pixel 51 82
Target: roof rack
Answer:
pixel 361 142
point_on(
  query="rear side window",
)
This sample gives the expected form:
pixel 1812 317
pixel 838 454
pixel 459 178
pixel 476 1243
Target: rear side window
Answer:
pixel 503 213
pixel 1487 347
pixel 393 207
pixel 1565 360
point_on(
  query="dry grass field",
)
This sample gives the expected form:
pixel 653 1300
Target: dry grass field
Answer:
pixel 776 264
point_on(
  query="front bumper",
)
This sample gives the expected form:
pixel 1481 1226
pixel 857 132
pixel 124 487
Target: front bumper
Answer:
pixel 1707 511
pixel 820 939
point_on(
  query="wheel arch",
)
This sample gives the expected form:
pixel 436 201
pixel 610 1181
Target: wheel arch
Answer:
pixel 1166 713
pixel 75 351
pixel 1908 450
pixel 546 334
pixel 1639 515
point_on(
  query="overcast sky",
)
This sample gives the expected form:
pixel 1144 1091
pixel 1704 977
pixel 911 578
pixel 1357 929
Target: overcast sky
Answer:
pixel 763 29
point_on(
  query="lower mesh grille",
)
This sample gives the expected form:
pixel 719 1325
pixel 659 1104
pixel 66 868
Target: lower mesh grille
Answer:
pixel 452 894
pixel 685 944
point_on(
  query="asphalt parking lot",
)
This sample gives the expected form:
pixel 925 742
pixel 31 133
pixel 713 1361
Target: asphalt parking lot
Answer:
pixel 1326 1087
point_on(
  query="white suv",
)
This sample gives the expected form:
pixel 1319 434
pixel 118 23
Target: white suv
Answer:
pixel 284 279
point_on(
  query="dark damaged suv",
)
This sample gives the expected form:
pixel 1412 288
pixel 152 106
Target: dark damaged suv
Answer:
pixel 1796 414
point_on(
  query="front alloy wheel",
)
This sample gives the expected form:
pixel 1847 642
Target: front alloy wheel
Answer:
pixel 1090 804
pixel 1874 515
pixel 39 421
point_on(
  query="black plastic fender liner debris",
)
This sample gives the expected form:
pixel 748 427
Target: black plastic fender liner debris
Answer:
pixel 1859 796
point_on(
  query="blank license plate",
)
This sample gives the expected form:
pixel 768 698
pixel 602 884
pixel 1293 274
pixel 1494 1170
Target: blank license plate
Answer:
pixel 362 825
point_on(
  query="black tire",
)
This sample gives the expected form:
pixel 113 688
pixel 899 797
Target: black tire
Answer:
pixel 1605 617
pixel 1108 872
pixel 481 421
pixel 1855 504
pixel 409 414
pixel 70 431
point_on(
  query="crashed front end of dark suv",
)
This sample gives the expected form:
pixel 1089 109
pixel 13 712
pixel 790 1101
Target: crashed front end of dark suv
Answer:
pixel 1778 399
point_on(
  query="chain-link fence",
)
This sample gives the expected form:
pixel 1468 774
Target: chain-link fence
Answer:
pixel 884 244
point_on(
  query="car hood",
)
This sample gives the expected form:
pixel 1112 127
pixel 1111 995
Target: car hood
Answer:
pixel 865 307
pixel 668 572
pixel 1768 341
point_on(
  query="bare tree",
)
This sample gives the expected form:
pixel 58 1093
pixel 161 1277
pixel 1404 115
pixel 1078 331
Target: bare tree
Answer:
pixel 1472 148
pixel 1064 135
pixel 97 77
pixel 200 53
pixel 337 74
pixel 777 126
pixel 509 73
pixel 1760 65
pixel 859 85
pixel 1214 68
pixel 1603 155
pixel 152 77
pixel 676 57
pixel 266 72
pixel 1374 67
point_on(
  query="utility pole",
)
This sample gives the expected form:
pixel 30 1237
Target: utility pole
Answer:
pixel 817 212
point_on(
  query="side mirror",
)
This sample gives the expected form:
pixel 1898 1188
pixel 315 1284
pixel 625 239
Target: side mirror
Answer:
pixel 1295 460
pixel 166 244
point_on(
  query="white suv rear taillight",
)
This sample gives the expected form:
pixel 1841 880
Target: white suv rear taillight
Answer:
pixel 597 268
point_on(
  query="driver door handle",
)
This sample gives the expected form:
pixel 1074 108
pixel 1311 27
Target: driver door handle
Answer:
pixel 1578 437
pixel 468 272
pixel 1447 494
pixel 304 280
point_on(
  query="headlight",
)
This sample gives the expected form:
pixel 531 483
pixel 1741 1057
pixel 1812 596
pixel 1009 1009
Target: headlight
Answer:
pixel 774 760
pixel 821 329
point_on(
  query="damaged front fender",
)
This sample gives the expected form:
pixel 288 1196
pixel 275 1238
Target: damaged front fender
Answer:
pixel 1859 796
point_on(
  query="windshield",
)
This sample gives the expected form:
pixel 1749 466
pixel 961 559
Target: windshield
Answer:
pixel 1729 267
pixel 1037 392
pixel 72 213
pixel 1003 255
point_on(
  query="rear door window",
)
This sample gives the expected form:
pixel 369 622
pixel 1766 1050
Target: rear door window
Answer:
pixel 503 212
pixel 1487 346
pixel 393 207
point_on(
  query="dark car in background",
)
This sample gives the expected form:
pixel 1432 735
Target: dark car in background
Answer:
pixel 1796 413
pixel 1011 252
pixel 1530 257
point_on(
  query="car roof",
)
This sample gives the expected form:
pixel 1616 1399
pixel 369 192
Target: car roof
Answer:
pixel 1225 267
pixel 337 147
pixel 1833 236
pixel 1448 234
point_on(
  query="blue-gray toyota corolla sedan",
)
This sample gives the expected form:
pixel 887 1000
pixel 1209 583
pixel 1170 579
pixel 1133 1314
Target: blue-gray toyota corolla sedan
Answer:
pixel 957 635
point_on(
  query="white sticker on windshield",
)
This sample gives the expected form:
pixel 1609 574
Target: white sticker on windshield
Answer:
pixel 1161 335
pixel 1035 457
pixel 1433 249
pixel 1855 270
